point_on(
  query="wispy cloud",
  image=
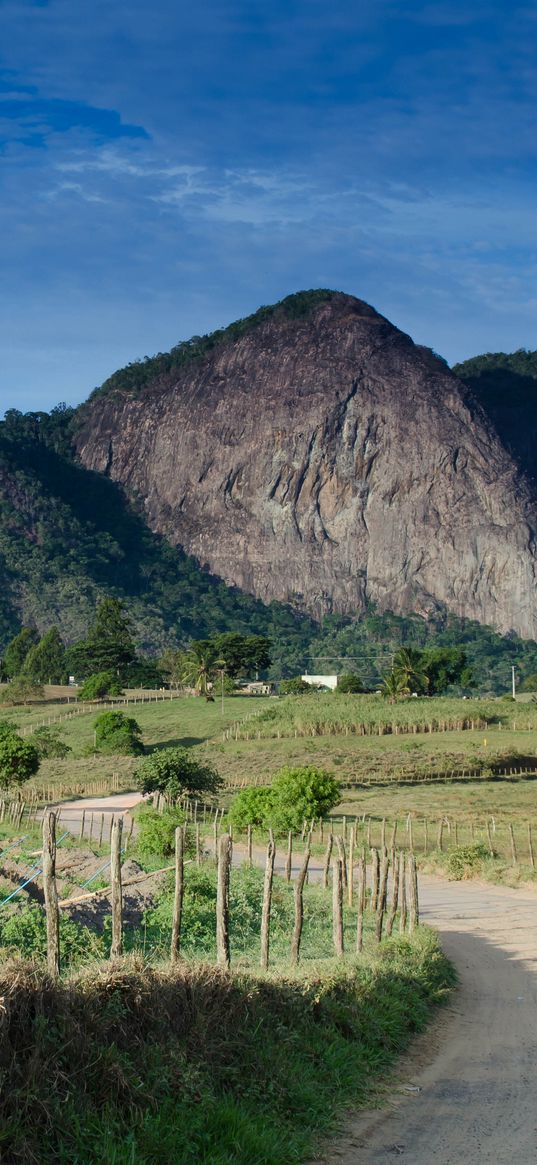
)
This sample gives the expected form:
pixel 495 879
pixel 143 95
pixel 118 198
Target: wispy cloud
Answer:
pixel 162 175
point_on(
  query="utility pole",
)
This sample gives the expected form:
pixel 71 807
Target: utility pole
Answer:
pixel 513 681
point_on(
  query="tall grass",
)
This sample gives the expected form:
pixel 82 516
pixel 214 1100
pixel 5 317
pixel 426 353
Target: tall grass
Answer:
pixel 331 714
pixel 132 1065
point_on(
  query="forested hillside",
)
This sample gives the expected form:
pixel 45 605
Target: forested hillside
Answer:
pixel 505 384
pixel 68 537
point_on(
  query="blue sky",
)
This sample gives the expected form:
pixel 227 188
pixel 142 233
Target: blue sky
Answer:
pixel 168 167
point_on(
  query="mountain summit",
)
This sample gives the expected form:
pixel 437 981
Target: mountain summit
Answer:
pixel 314 454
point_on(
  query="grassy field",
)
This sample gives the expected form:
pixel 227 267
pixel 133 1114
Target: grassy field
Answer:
pixel 383 775
pixel 186 722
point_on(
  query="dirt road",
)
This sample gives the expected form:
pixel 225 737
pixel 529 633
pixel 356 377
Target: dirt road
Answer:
pixel 476 1071
pixel 118 803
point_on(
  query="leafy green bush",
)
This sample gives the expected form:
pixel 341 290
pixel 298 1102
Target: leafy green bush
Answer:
pixel 174 772
pixel 295 687
pixel 96 687
pixel 19 759
pixel 251 807
pixel 466 860
pixel 117 733
pixel 49 744
pixel 26 931
pixel 156 831
pixel 300 795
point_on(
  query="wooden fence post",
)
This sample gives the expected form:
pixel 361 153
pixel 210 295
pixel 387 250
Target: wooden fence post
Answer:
pixel 375 878
pixel 51 893
pixel 350 878
pixel 513 845
pixel 413 913
pixel 249 857
pixel 82 824
pixel 115 885
pixel 340 842
pixel 289 857
pixel 215 838
pixel 440 837
pixel 101 830
pixel 178 895
pixel 530 847
pixel 394 835
pixel 395 895
pixel 360 894
pixel 267 899
pixel 222 902
pixel 383 890
pixel 425 835
pixel 402 893
pixel 299 909
pixel 327 857
pixel 489 836
pixel 337 905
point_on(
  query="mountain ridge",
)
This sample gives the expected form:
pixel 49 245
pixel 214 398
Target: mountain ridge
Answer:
pixel 324 460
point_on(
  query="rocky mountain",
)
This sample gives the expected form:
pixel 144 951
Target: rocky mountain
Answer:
pixel 313 454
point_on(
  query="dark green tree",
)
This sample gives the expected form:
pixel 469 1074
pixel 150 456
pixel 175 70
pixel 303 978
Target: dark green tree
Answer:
pixel 174 772
pixel 446 667
pixel 349 685
pixel 97 687
pixel 243 654
pixel 45 661
pixel 117 733
pixel 108 646
pixel 17 651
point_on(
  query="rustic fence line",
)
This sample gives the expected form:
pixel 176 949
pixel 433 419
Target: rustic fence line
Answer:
pixel 93 706
pixel 377 904
pixel 446 776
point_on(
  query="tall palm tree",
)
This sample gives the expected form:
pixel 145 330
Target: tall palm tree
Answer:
pixel 201 664
pixel 393 687
pixel 408 665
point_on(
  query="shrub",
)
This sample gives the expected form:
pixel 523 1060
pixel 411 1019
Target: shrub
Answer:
pixel 27 932
pixel 175 772
pixel 251 807
pixel 96 687
pixel 117 733
pixel 19 759
pixel 49 744
pixel 295 687
pixel 300 795
pixel 463 861
pixel 349 685
pixel 156 831
pixel 23 690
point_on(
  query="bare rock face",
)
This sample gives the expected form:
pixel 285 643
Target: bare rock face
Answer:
pixel 327 461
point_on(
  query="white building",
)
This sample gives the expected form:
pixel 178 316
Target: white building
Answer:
pixel 321 681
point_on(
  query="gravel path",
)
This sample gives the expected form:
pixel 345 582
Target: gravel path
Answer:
pixel 465 1095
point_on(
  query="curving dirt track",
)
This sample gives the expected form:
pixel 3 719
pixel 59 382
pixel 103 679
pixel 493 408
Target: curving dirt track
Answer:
pixel 466 1092
pixel 476 1069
